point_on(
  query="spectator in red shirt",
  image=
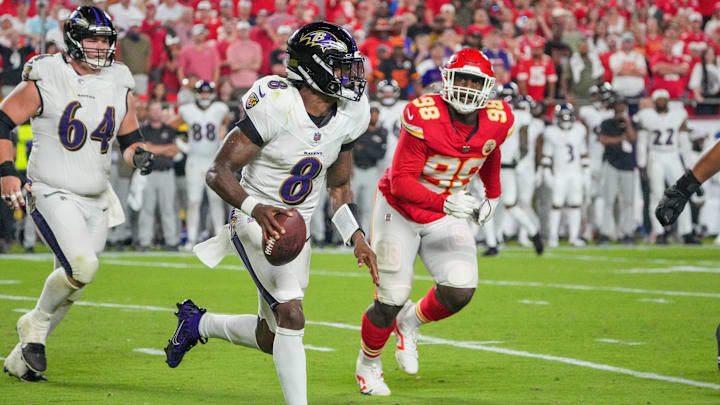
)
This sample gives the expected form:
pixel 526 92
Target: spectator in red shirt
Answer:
pixel 244 10
pixel 714 21
pixel 199 58
pixel 536 76
pixel 696 33
pixel 169 64
pixel 226 35
pixel 481 22
pixel 447 11
pixel 380 38
pixel 267 5
pixel 669 71
pixel 203 16
pixel 263 34
pixel 244 58
pixel 156 32
pixel 281 15
pixel 653 38
pixel 226 10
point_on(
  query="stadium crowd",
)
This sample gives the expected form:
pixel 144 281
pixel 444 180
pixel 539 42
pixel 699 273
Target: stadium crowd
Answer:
pixel 555 51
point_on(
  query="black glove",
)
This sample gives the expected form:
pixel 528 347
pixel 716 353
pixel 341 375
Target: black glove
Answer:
pixel 143 160
pixel 675 198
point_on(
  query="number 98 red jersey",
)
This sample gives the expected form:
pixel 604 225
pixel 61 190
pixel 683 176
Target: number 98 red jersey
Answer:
pixel 437 156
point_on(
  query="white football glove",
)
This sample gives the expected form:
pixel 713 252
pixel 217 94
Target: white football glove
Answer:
pixel 486 210
pixel 461 204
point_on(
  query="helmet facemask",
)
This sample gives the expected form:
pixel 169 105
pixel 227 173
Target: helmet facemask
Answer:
pixel 466 99
pixel 96 58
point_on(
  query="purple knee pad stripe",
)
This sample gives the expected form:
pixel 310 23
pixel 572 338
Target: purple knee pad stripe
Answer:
pixel 243 255
pixel 52 242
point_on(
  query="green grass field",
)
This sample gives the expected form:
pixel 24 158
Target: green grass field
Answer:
pixel 577 326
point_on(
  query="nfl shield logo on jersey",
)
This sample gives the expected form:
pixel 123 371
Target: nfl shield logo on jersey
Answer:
pixel 316 138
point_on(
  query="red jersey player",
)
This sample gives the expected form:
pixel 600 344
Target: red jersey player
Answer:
pixel 423 208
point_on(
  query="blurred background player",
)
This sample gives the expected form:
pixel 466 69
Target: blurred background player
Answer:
pixel 662 140
pixel 390 108
pixel 423 208
pixel 592 115
pixel 296 136
pixel 368 154
pixel 513 150
pixel 77 104
pixel 564 150
pixel 618 180
pixel 206 119
pixel 529 128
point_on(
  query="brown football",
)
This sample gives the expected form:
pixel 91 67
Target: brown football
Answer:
pixel 286 249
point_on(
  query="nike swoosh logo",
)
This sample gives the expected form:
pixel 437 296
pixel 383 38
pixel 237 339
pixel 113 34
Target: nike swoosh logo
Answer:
pixel 410 116
pixel 177 331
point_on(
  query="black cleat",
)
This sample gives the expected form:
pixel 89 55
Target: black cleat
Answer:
pixel 33 355
pixel 661 239
pixel 602 240
pixel 30 376
pixel 538 243
pixel 491 252
pixel 691 239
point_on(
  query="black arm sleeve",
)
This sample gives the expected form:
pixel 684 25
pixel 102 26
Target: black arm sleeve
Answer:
pixel 248 128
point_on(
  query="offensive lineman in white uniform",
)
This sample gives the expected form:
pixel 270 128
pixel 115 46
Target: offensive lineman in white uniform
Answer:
pixel 592 115
pixel 77 102
pixel 207 120
pixel 662 141
pixel 295 137
pixel 565 155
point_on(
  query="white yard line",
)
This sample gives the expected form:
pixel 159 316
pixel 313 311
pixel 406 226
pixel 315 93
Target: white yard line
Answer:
pixel 149 350
pixel 319 349
pixel 672 269
pixel 22 310
pixel 531 302
pixel 8 282
pixel 619 342
pixel 657 300
pixel 433 340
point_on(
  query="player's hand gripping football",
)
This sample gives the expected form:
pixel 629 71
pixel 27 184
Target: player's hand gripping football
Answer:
pixel 265 217
pixel 675 198
pixel 461 204
pixel 143 160
pixel 366 256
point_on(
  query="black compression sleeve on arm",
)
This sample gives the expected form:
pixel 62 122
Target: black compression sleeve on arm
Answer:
pixel 6 125
pixel 128 139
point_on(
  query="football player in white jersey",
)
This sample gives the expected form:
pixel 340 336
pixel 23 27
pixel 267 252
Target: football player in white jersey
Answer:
pixel 207 120
pixel 391 108
pixel 662 140
pixel 564 151
pixel 592 115
pixel 295 138
pixel 77 103
pixel 513 150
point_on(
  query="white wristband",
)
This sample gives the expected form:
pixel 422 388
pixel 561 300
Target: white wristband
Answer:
pixel 248 204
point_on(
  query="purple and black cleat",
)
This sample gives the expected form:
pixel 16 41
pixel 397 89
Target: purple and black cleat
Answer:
pixel 187 334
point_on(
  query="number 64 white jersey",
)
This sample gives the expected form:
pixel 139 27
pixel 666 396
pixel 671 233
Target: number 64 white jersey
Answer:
pixel 204 127
pixel 77 123
pixel 295 154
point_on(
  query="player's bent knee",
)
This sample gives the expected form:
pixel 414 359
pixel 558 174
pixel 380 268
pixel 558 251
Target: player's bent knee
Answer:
pixel 383 315
pixel 393 295
pixel 84 268
pixel 290 315
pixel 264 336
pixel 454 299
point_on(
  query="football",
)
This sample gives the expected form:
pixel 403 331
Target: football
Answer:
pixel 288 246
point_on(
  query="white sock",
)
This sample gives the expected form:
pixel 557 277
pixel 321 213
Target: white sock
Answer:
pixel 490 237
pixel 554 224
pixel 236 329
pixel 523 219
pixel 410 317
pixel 574 219
pixel 289 357
pixel 57 289
pixel 63 309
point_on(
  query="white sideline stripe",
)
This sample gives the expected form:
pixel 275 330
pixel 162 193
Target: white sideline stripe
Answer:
pixel 2 358
pixel 428 278
pixel 22 310
pixel 429 339
pixel 619 342
pixel 149 350
pixel 657 300
pixel 531 302
pixel 9 282
pixel 673 269
pixel 318 349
